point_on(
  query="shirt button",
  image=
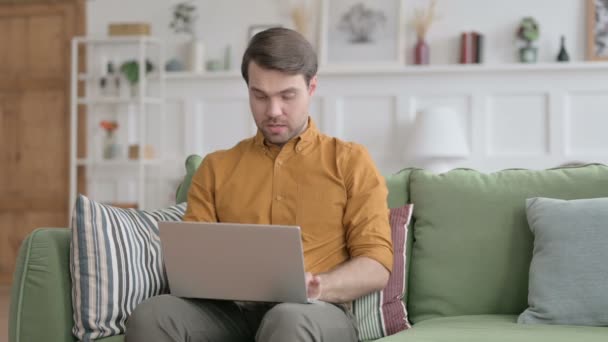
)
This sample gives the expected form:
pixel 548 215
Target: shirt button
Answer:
pixel 279 163
pixel 279 197
pixel 299 148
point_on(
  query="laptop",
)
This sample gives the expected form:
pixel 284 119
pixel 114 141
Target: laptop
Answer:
pixel 242 262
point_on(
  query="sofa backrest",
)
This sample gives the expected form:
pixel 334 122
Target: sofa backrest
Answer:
pixel 472 244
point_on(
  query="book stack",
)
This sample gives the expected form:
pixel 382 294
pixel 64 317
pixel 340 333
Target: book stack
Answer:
pixel 129 29
pixel 471 48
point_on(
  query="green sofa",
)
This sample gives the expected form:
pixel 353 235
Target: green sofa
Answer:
pixel 468 258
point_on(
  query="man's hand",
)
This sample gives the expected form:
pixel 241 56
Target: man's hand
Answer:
pixel 348 281
pixel 313 286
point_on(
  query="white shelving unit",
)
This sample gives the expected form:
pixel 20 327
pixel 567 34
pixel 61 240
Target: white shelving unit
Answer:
pixel 407 70
pixel 132 108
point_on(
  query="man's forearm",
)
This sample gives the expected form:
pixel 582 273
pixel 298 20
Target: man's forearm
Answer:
pixel 353 279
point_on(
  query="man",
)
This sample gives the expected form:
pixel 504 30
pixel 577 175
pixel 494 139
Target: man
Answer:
pixel 288 174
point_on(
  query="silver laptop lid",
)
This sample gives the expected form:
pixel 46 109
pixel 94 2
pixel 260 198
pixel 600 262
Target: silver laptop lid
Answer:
pixel 234 261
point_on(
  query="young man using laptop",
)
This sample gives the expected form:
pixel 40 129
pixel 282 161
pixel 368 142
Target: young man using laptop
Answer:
pixel 288 174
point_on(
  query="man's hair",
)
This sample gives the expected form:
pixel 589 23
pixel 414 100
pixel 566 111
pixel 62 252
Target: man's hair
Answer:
pixel 281 49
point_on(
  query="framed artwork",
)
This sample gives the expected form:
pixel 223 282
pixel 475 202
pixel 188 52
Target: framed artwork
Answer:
pixel 362 32
pixel 597 30
pixel 254 29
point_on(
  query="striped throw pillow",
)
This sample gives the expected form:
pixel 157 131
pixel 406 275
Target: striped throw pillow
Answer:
pixel 116 263
pixel 383 313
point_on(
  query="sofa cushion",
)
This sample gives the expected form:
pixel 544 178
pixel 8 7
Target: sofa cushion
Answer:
pixel 569 270
pixel 472 245
pixel 383 313
pixel 117 338
pixel 116 263
pixel 192 163
pixel 494 328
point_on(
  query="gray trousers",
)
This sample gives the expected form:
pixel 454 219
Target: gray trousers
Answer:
pixel 169 318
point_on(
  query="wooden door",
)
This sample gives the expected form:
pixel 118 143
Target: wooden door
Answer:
pixel 34 118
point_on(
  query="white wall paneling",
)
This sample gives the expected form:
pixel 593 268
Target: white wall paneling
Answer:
pixel 372 122
pixel 517 125
pixel 586 121
pixel 225 122
pixel 515 116
pixel 523 116
pixel 532 116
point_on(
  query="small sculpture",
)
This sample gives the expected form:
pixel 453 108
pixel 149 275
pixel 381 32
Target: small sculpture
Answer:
pixel 563 54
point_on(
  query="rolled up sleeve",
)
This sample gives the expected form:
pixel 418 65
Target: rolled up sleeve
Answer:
pixel 201 195
pixel 366 217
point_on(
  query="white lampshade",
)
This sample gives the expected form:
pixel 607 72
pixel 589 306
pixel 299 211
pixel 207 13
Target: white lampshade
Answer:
pixel 438 132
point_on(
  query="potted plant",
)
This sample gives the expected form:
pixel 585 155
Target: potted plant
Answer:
pixel 130 69
pixel 110 146
pixel 184 21
pixel 528 32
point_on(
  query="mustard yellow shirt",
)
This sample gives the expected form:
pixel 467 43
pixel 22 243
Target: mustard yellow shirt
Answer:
pixel 328 187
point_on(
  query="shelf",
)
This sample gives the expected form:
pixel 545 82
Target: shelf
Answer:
pixel 464 68
pixel 118 100
pixel 89 77
pixel 230 74
pixel 86 81
pixel 118 162
pixel 117 40
pixel 354 70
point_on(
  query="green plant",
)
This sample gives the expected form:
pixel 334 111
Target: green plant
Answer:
pixel 131 70
pixel 528 31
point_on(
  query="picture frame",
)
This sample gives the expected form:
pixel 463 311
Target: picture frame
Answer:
pixel 597 30
pixel 362 33
pixel 254 29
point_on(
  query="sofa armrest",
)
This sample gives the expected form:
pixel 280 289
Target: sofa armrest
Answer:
pixel 41 302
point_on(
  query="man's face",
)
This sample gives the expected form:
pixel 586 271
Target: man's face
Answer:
pixel 279 103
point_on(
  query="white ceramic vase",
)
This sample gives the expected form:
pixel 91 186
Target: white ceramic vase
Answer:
pixel 196 55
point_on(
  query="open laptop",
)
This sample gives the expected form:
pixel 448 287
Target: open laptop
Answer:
pixel 243 262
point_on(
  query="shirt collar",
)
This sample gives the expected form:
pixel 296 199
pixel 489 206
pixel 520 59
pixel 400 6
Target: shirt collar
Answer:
pixel 301 141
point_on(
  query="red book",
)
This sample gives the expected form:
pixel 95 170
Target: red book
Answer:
pixel 466 45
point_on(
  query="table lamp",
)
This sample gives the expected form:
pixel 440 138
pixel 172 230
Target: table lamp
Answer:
pixel 437 138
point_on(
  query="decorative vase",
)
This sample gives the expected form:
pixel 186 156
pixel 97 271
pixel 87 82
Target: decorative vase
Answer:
pixel 196 56
pixel 174 64
pixel 421 52
pixel 528 54
pixel 563 54
pixel 110 146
